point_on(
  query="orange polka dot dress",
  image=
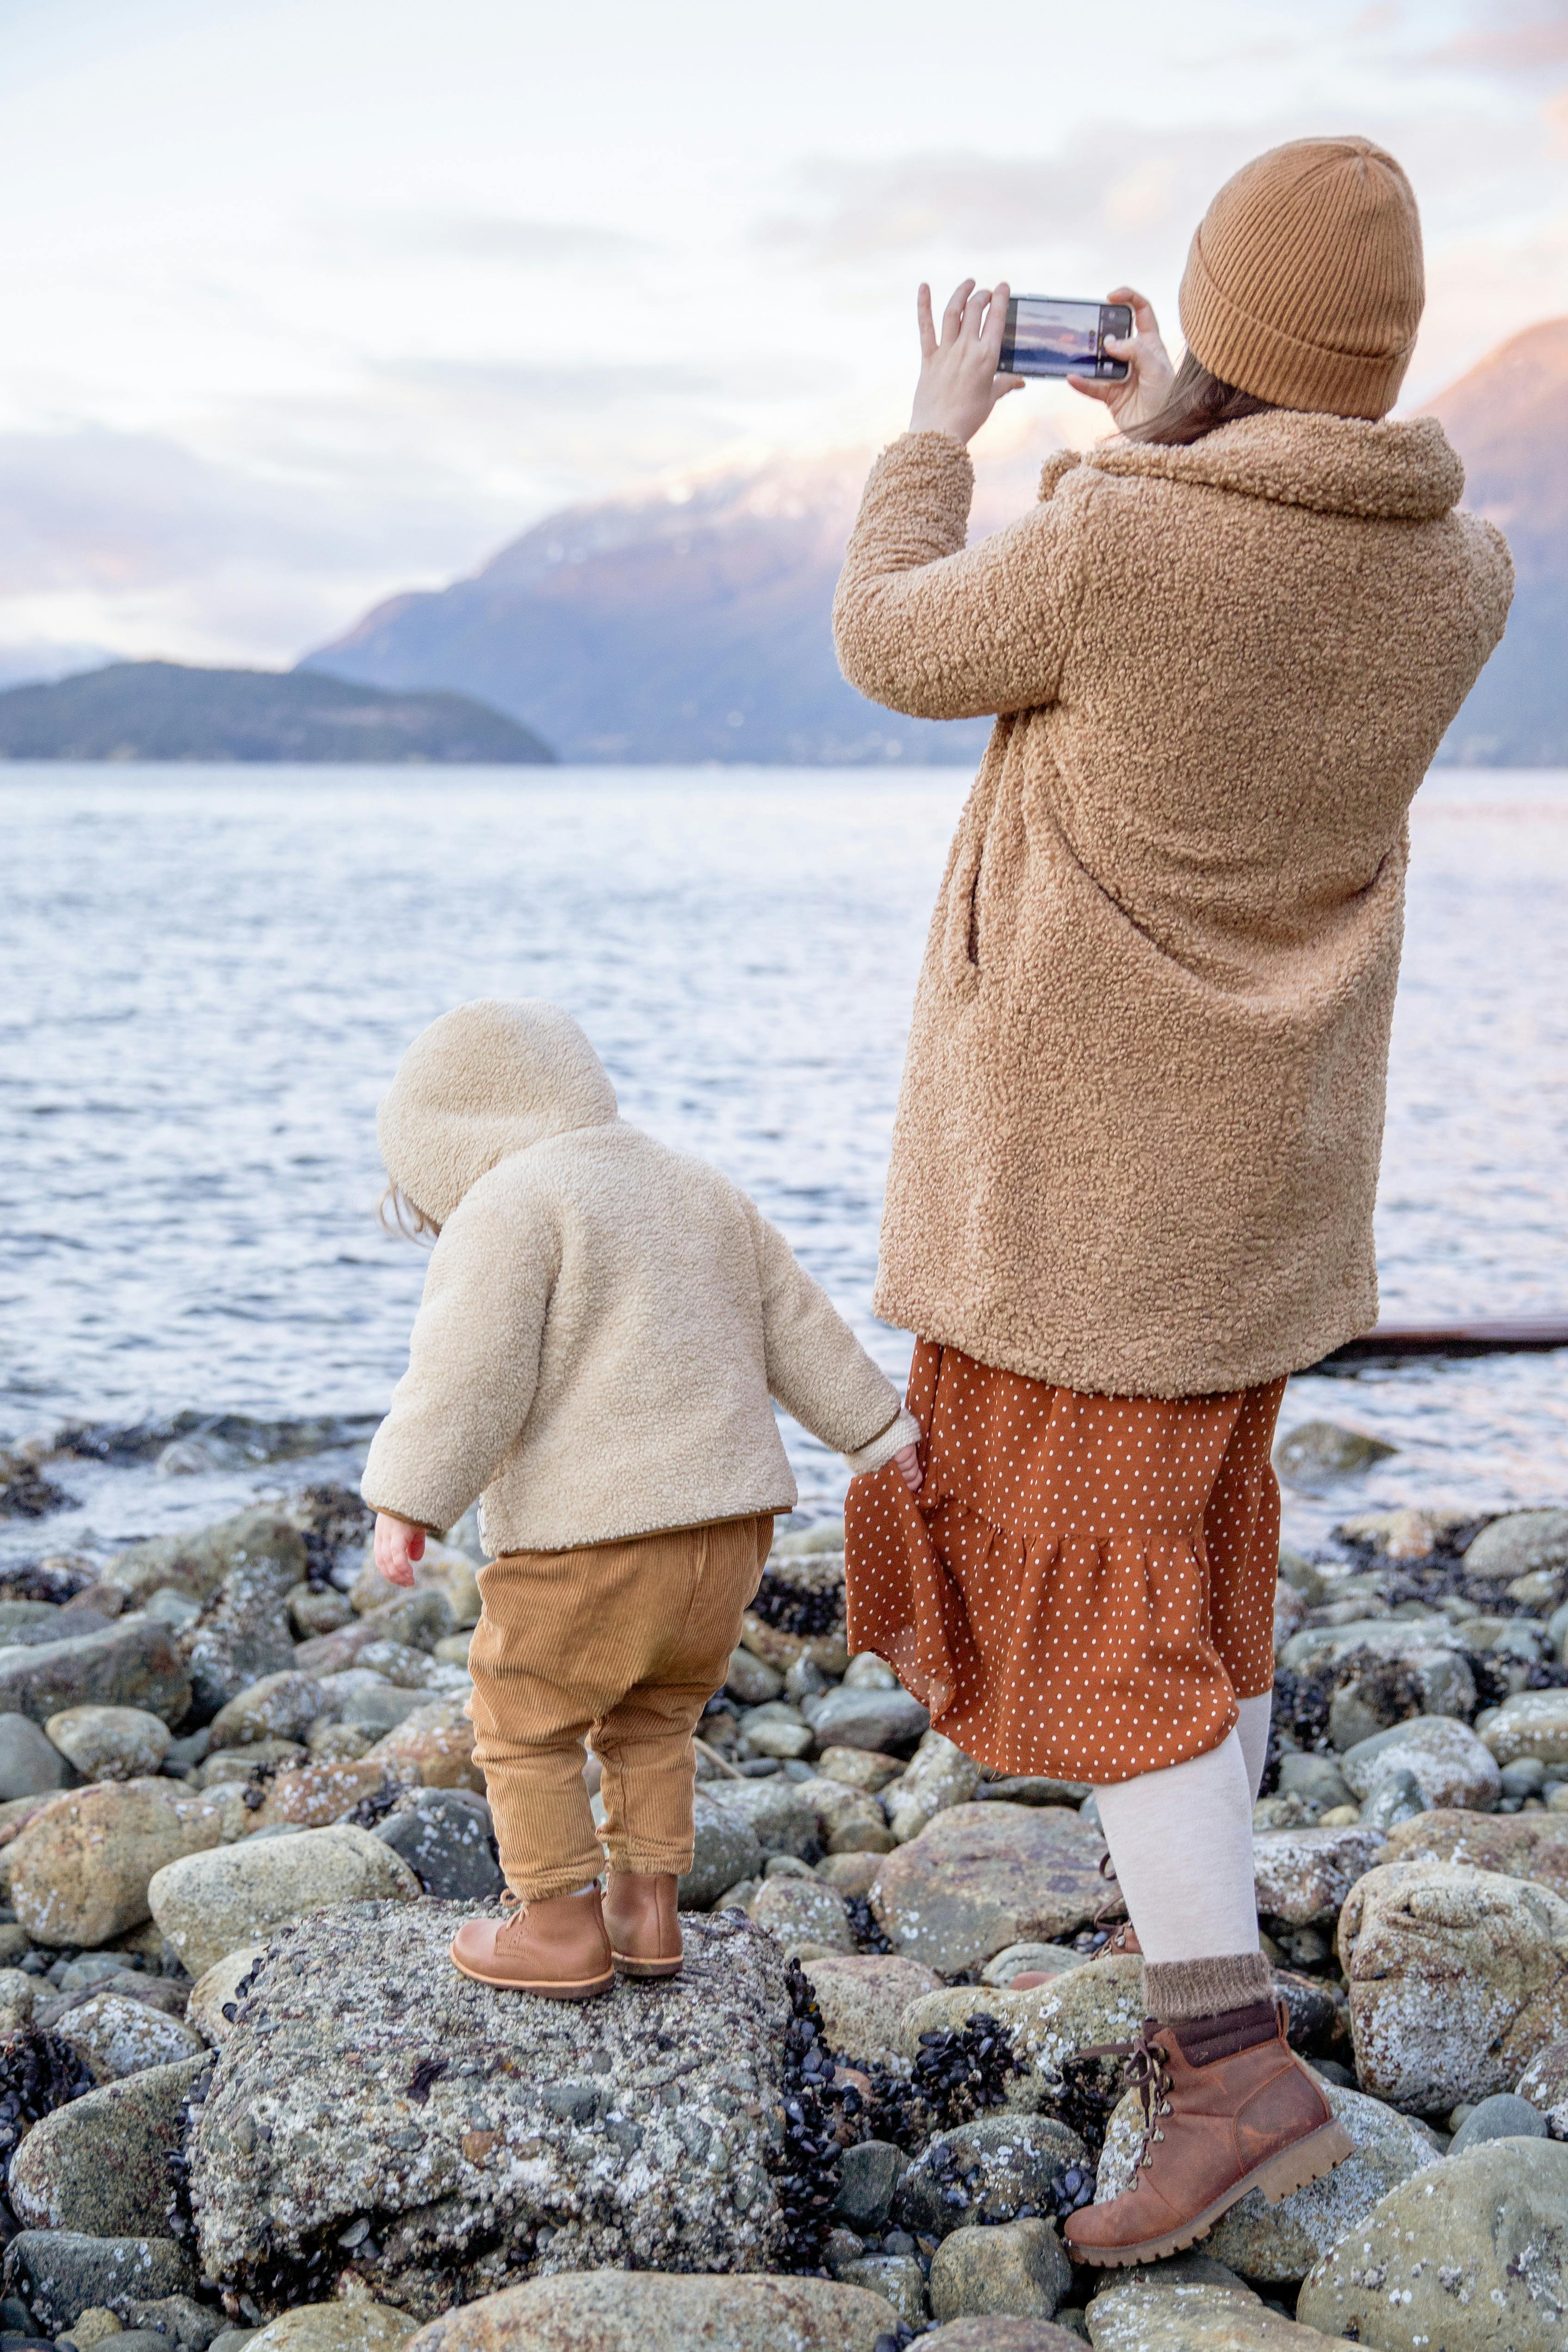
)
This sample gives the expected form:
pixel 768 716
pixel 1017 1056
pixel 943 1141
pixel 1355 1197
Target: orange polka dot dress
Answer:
pixel 1084 1586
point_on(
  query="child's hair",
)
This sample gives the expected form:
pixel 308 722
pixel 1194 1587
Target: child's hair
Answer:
pixel 398 1215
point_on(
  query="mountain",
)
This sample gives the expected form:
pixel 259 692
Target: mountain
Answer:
pixel 688 621
pixel 685 622
pixel 40 664
pixel 163 710
pixel 1509 421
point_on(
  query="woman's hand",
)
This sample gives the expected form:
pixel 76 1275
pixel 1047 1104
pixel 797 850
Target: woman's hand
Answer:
pixel 398 1544
pixel 908 1458
pixel 959 385
pixel 1143 391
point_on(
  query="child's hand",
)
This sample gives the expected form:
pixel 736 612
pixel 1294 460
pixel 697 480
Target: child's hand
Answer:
pixel 908 1458
pixel 398 1544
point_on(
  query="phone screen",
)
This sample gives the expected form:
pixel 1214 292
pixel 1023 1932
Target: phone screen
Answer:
pixel 1046 337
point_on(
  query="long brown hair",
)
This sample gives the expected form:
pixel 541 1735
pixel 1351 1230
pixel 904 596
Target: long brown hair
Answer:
pixel 1197 403
pixel 397 1213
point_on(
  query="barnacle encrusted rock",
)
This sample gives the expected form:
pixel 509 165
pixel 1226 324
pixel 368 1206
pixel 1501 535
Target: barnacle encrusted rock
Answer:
pixel 1517 1845
pixel 982 1876
pixel 1303 1876
pixel 377 2119
pixel 1470 2255
pixel 1457 1978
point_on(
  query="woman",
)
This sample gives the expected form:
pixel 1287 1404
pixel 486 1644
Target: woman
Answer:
pixel 1136 1152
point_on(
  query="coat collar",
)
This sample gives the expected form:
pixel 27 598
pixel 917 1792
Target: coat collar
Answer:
pixel 1334 464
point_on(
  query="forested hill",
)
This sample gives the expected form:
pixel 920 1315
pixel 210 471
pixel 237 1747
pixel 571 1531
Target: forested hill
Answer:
pixel 166 710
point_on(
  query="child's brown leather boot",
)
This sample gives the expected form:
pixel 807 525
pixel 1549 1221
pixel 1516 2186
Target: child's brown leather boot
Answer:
pixel 1227 2106
pixel 557 1947
pixel 644 1923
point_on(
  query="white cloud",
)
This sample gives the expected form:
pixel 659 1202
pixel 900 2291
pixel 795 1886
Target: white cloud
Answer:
pixel 295 318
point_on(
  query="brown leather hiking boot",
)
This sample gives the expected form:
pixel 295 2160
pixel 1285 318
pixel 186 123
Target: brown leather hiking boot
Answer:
pixel 557 1947
pixel 1121 1941
pixel 1227 2106
pixel 643 1923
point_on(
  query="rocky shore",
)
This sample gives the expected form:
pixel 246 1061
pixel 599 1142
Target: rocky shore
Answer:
pixel 246 2100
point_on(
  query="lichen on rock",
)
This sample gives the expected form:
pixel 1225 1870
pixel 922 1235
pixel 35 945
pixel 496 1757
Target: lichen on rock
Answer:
pixel 377 2119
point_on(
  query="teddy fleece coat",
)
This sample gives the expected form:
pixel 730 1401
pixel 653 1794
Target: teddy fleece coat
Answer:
pixel 1137 1139
pixel 604 1320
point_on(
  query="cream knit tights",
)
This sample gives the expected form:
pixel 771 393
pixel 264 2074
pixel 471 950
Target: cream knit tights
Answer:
pixel 1181 1842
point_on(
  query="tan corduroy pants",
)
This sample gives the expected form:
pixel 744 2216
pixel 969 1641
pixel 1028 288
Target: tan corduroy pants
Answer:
pixel 619 1643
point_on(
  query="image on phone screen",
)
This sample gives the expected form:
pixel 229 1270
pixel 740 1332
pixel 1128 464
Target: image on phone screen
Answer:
pixel 1048 337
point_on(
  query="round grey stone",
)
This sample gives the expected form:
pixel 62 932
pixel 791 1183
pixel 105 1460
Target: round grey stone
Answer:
pixel 1504 2116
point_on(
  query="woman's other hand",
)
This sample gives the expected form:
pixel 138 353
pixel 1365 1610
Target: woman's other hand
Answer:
pixel 959 385
pixel 908 1458
pixel 398 1544
pixel 1143 391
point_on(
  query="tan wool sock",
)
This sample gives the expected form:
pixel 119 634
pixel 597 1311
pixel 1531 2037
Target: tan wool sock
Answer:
pixel 1175 1990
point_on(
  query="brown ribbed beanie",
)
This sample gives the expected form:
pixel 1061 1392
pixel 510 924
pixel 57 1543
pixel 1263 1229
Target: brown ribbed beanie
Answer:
pixel 1304 283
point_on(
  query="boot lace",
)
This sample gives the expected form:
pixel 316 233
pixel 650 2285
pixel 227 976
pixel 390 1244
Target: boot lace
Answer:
pixel 1149 2065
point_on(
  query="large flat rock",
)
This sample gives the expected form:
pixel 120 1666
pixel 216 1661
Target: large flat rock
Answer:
pixel 485 2137
pixel 1191 2306
pixel 612 2311
pixel 133 1662
pixel 1516 1846
pixel 980 1877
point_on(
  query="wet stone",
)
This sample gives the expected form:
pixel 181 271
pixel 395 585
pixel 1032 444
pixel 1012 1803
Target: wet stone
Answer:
pixel 1502 2116
pixel 444 1835
pixel 100 2166
pixel 30 1764
pixel 1018 2268
pixel 869 2173
pixel 60 2273
pixel 612 2311
pixel 988 2170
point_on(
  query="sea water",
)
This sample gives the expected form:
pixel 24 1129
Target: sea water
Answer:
pixel 209 974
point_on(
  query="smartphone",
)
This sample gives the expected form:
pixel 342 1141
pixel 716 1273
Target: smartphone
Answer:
pixel 1044 336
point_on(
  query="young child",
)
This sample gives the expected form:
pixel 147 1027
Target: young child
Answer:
pixel 604 1325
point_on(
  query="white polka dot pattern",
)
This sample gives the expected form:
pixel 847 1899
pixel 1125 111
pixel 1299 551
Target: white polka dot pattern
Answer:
pixel 1084 1585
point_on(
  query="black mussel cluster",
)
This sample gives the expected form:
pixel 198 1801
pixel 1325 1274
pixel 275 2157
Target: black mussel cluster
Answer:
pixel 338 1520
pixel 1073 2187
pixel 798 1608
pixel 864 1925
pixel 373 1808
pixel 182 2220
pixel 805 2168
pixel 963 2070
pixel 39 2073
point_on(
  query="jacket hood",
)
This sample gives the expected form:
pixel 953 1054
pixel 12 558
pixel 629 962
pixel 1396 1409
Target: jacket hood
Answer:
pixel 1296 458
pixel 482 1083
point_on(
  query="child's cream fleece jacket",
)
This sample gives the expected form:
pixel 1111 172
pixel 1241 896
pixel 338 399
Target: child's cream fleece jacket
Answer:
pixel 604 1320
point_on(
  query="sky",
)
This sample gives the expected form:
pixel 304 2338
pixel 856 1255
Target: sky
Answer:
pixel 307 303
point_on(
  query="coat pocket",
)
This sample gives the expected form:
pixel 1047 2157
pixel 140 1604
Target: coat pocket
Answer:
pixel 963 947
